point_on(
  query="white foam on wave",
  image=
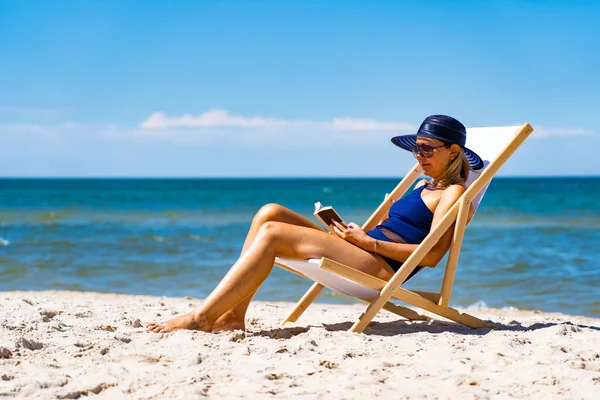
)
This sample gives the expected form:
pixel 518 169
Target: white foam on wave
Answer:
pixel 3 242
pixel 481 305
pixel 478 305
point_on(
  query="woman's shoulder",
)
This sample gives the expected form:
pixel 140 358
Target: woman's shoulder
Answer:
pixel 453 192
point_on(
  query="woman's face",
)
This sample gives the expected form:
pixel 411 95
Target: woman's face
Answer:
pixel 439 154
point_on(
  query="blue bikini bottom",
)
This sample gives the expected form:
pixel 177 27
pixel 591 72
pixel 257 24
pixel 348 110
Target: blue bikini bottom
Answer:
pixel 395 264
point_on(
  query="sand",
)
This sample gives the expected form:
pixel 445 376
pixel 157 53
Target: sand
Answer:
pixel 58 344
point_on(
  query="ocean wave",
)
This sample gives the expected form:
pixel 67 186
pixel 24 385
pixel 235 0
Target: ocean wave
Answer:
pixel 156 218
pixel 544 222
pixel 3 242
pixel 482 305
pixel 201 238
pixel 478 305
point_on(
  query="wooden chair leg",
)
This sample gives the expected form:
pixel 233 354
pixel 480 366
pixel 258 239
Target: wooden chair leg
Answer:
pixel 405 312
pixel 462 318
pixel 446 312
pixel 303 304
pixel 374 306
pixel 402 311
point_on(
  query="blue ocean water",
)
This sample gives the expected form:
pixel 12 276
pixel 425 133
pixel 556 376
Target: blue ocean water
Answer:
pixel 532 244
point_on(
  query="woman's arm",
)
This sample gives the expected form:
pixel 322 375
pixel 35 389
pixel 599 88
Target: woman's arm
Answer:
pixel 401 251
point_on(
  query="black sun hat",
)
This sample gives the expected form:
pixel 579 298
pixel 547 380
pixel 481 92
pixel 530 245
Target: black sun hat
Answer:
pixel 444 128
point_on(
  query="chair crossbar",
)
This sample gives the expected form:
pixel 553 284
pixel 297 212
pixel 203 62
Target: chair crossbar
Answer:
pixel 423 300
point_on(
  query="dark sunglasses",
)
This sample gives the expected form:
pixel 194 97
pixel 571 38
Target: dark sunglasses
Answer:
pixel 424 150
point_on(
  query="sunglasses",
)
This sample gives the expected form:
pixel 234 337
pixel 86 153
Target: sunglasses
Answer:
pixel 424 150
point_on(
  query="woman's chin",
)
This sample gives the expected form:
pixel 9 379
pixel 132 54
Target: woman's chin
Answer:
pixel 427 171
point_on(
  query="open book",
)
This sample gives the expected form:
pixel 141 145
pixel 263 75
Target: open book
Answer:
pixel 326 215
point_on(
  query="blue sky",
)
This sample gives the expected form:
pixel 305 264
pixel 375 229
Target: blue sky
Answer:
pixel 191 88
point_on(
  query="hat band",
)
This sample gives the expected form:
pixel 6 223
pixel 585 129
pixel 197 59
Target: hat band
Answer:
pixel 432 129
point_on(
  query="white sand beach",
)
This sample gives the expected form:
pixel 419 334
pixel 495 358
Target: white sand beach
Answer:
pixel 59 344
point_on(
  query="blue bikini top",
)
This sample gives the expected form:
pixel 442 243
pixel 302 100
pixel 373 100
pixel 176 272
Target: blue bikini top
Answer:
pixel 408 218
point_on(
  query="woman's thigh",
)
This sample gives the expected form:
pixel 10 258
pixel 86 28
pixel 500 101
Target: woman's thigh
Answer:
pixel 279 213
pixel 302 243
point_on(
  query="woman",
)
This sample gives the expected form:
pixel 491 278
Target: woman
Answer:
pixel 439 147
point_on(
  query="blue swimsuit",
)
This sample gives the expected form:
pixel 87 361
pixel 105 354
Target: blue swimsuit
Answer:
pixel 409 221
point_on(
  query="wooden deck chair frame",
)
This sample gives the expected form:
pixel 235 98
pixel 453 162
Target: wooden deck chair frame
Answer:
pixel 436 303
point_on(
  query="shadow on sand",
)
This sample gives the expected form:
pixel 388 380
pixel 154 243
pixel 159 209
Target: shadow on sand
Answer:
pixel 401 327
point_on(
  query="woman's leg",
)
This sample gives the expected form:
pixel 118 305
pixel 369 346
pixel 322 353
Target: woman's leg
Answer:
pixel 234 318
pixel 249 272
pixel 275 213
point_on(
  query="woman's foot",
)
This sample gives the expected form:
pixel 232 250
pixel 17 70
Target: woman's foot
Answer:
pixel 192 321
pixel 229 322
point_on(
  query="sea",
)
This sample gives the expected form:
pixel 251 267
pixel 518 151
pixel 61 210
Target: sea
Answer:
pixel 533 244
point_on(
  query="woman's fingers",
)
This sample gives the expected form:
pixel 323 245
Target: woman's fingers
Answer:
pixel 352 233
pixel 345 232
pixel 337 231
pixel 341 227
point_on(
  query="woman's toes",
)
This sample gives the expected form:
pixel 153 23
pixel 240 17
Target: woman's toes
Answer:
pixel 153 327
pixel 158 327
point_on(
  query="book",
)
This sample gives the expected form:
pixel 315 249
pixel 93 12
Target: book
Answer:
pixel 326 215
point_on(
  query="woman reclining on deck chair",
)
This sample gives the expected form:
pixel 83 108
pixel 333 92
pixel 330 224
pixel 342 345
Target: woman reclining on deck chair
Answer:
pixel 279 232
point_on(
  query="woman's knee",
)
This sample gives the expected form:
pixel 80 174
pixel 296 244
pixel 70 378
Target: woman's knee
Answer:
pixel 270 231
pixel 269 212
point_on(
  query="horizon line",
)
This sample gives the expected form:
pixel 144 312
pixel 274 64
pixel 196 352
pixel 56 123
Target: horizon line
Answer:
pixel 274 177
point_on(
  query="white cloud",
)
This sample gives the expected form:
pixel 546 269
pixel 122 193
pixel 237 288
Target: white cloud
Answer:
pixel 222 118
pixel 540 132
pixel 71 148
pixel 219 127
pixel 214 118
pixel 350 124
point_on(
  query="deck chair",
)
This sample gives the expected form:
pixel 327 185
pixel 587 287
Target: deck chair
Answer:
pixel 495 145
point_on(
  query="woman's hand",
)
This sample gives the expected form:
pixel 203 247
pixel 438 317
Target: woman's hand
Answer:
pixel 354 234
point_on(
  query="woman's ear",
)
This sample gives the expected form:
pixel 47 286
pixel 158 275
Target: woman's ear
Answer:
pixel 454 151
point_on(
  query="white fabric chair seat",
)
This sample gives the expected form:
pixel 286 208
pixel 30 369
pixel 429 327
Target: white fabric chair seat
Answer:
pixel 310 268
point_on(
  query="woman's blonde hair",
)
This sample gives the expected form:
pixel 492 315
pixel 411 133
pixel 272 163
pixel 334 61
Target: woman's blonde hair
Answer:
pixel 456 173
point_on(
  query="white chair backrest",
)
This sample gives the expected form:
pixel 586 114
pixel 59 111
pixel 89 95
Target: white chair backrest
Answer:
pixel 472 176
pixel 487 143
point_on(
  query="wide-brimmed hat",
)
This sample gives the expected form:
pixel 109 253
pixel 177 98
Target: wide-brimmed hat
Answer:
pixel 444 128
